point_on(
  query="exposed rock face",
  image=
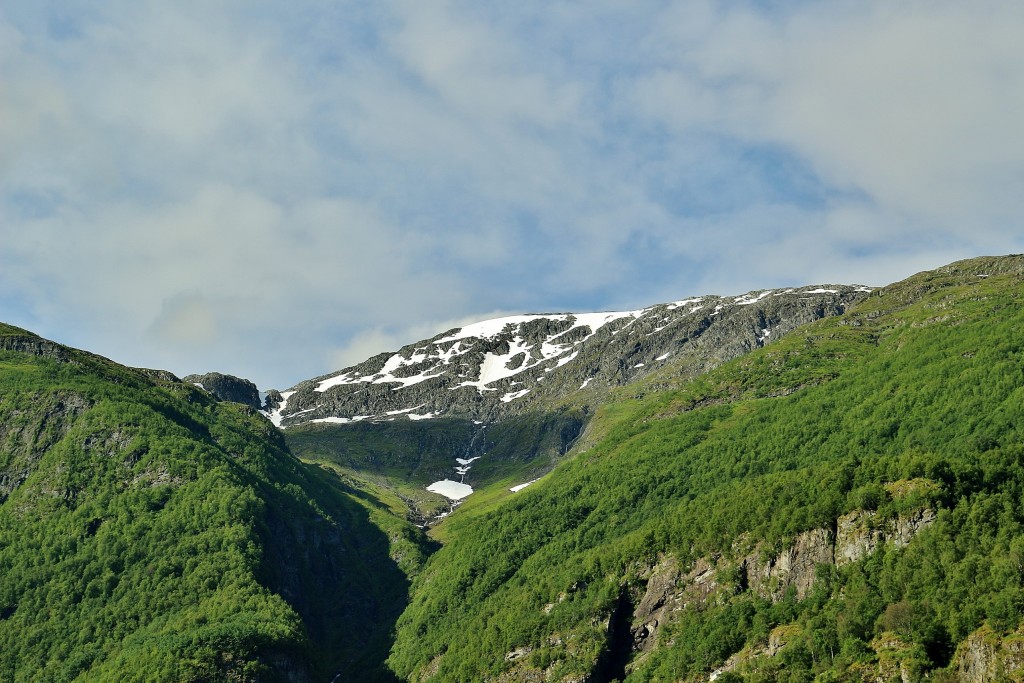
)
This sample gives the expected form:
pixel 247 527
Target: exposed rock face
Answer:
pixel 857 536
pixel 795 566
pixel 984 657
pixel 670 589
pixel 517 365
pixel 33 345
pixel 27 437
pixel 228 388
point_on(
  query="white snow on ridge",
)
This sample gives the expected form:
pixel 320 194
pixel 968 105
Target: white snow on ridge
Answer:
pixel 520 487
pixel 595 321
pixel 492 328
pixel 405 410
pixel 452 490
pixel 333 420
pixel 449 356
pixel 685 302
pixel 511 396
pixel 567 359
pixel 495 366
pixel 275 415
pixel 382 376
pixel 746 299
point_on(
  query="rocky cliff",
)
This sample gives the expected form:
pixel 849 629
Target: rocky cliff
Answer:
pixel 228 388
pixel 671 589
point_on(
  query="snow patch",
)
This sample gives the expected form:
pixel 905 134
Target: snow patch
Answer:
pixel 452 490
pixel 748 298
pixel 511 396
pixel 405 410
pixel 685 302
pixel 342 420
pixel 492 328
pixel 275 415
pixel 663 356
pixel 567 359
pixel 333 420
pixel 520 487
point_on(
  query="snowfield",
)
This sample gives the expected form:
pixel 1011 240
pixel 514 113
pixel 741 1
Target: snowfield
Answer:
pixel 452 490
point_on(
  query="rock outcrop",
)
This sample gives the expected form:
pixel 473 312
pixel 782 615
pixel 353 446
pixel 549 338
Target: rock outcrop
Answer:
pixel 671 588
pixel 796 566
pixel 228 388
pixel 983 656
pixel 858 535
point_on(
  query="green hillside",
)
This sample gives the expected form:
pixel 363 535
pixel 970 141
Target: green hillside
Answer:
pixel 151 533
pixel 887 444
pixel 845 504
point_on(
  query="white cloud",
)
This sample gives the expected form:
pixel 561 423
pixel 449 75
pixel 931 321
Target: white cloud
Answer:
pixel 919 106
pixel 273 189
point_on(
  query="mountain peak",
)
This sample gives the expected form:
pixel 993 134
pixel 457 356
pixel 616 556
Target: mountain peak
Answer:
pixel 516 364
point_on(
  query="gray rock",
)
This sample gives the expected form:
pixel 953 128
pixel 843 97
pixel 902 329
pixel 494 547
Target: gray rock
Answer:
pixel 228 388
pixel 524 364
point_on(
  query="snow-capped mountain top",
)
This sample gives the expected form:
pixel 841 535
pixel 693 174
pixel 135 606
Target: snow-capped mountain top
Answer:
pixel 515 363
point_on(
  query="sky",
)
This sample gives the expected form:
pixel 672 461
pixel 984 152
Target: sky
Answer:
pixel 281 189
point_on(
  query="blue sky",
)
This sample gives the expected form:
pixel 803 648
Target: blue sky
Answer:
pixel 277 190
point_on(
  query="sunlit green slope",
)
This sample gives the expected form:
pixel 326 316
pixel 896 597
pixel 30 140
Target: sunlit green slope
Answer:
pixel 151 533
pixel 845 504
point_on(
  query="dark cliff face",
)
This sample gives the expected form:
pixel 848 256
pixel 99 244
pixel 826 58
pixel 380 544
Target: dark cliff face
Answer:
pixel 228 388
pixel 522 364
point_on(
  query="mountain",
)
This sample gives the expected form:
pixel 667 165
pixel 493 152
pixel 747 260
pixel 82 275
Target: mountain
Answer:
pixel 151 532
pixel 228 388
pixel 519 364
pixel 811 486
pixel 846 503
pixel 503 401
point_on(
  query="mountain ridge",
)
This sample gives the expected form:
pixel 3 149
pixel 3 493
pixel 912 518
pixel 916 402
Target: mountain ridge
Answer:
pixel 841 506
pixel 514 365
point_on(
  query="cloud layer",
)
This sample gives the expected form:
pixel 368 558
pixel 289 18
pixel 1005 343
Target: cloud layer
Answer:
pixel 277 190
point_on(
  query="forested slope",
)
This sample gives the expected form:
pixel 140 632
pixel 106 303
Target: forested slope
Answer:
pixel 845 504
pixel 150 532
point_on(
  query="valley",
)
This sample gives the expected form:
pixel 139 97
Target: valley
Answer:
pixel 816 484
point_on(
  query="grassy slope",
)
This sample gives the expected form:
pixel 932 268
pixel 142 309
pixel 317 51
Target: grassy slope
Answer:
pixel 924 379
pixel 407 456
pixel 148 532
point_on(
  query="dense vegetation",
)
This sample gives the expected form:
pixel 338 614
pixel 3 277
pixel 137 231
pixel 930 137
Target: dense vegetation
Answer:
pixel 149 532
pixel 923 382
pixel 407 456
